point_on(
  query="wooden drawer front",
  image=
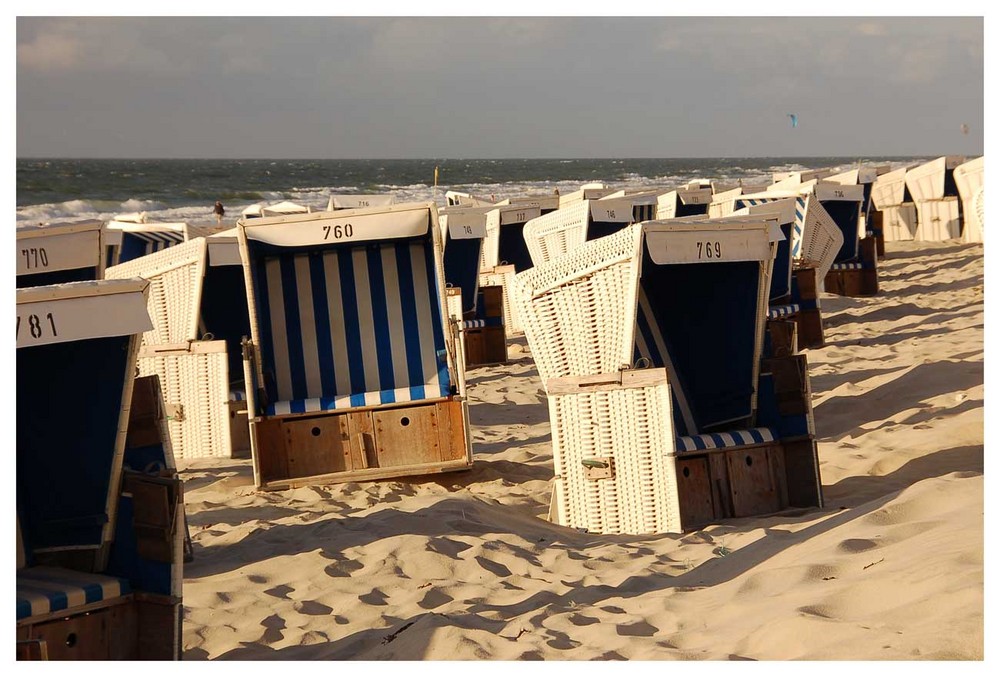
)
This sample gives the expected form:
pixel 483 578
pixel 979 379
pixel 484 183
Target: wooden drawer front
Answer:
pixel 407 436
pixel 694 492
pixel 487 345
pixel 316 446
pixel 753 481
pixel 108 634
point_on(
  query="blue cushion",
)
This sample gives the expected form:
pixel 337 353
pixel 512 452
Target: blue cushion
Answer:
pixel 42 590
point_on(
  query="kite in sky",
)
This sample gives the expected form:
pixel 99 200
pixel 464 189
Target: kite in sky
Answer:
pixel 965 128
pixel 795 119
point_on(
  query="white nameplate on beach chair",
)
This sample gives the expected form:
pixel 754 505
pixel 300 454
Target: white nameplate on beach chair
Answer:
pixel 321 228
pixel 466 226
pixel 611 210
pixel 519 214
pixel 58 247
pixel 835 191
pixel 669 245
pixel 81 310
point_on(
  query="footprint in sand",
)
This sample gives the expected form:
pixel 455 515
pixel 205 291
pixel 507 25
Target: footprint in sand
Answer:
pixel 280 591
pixel 311 608
pixel 610 656
pixel 494 568
pixel 376 598
pixel 640 629
pixel 855 545
pixel 433 599
pixel 447 547
pixel 581 620
pixel 612 609
pixel 274 625
pixel 254 578
pixel 343 569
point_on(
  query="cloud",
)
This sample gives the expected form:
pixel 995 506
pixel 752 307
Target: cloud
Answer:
pixel 871 28
pixel 49 52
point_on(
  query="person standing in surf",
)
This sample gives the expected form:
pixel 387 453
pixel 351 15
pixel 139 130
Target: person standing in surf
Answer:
pixel 219 212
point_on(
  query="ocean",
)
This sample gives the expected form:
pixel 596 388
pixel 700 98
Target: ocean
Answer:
pixel 54 190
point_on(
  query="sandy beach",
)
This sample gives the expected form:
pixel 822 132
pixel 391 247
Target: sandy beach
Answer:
pixel 465 565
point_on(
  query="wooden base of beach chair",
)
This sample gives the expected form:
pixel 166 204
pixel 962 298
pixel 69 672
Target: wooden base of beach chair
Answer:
pixel 810 328
pixel 620 472
pixel 486 345
pixel 809 320
pixel 361 444
pixel 859 281
pixel 136 627
pixel 875 225
pixel 239 429
pixel 746 481
pixel 784 336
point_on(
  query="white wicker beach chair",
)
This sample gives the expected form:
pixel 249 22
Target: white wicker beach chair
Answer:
pixel 683 202
pixel 59 252
pixel 194 373
pixel 618 300
pixel 935 193
pixel 351 367
pixel 969 181
pixel 554 234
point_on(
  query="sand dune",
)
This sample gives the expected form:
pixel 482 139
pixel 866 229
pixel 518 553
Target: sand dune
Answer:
pixel 464 566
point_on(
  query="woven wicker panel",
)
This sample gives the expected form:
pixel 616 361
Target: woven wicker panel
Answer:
pixel 899 222
pixel 199 381
pixel 889 189
pixel 926 182
pixel 503 276
pixel 175 275
pixel 821 238
pixel 938 220
pixel 578 311
pixel 974 219
pixel 489 258
pixel 556 233
pixel 633 427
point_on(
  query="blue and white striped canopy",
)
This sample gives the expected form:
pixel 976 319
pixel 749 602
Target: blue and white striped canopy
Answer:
pixel 349 326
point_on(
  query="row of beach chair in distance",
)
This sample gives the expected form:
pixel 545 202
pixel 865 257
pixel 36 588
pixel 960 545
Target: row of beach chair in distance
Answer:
pixel 665 325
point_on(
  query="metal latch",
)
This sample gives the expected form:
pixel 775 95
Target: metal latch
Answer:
pixel 598 468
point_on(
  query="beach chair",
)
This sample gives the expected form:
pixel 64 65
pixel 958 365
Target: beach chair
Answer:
pixel 935 193
pixel 864 177
pixel 793 293
pixel 351 365
pixel 505 253
pixel 99 506
pixel 193 363
pixel 455 198
pixel 683 202
pixel 709 431
pixel 588 191
pixel 126 240
pixel 643 202
pixel 855 268
pixel 556 233
pixel 59 252
pixel 969 181
pixel 337 202
pixel 546 203
pixel 480 324
pixel 893 206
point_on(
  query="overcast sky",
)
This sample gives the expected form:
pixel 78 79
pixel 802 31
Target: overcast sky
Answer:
pixel 497 87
